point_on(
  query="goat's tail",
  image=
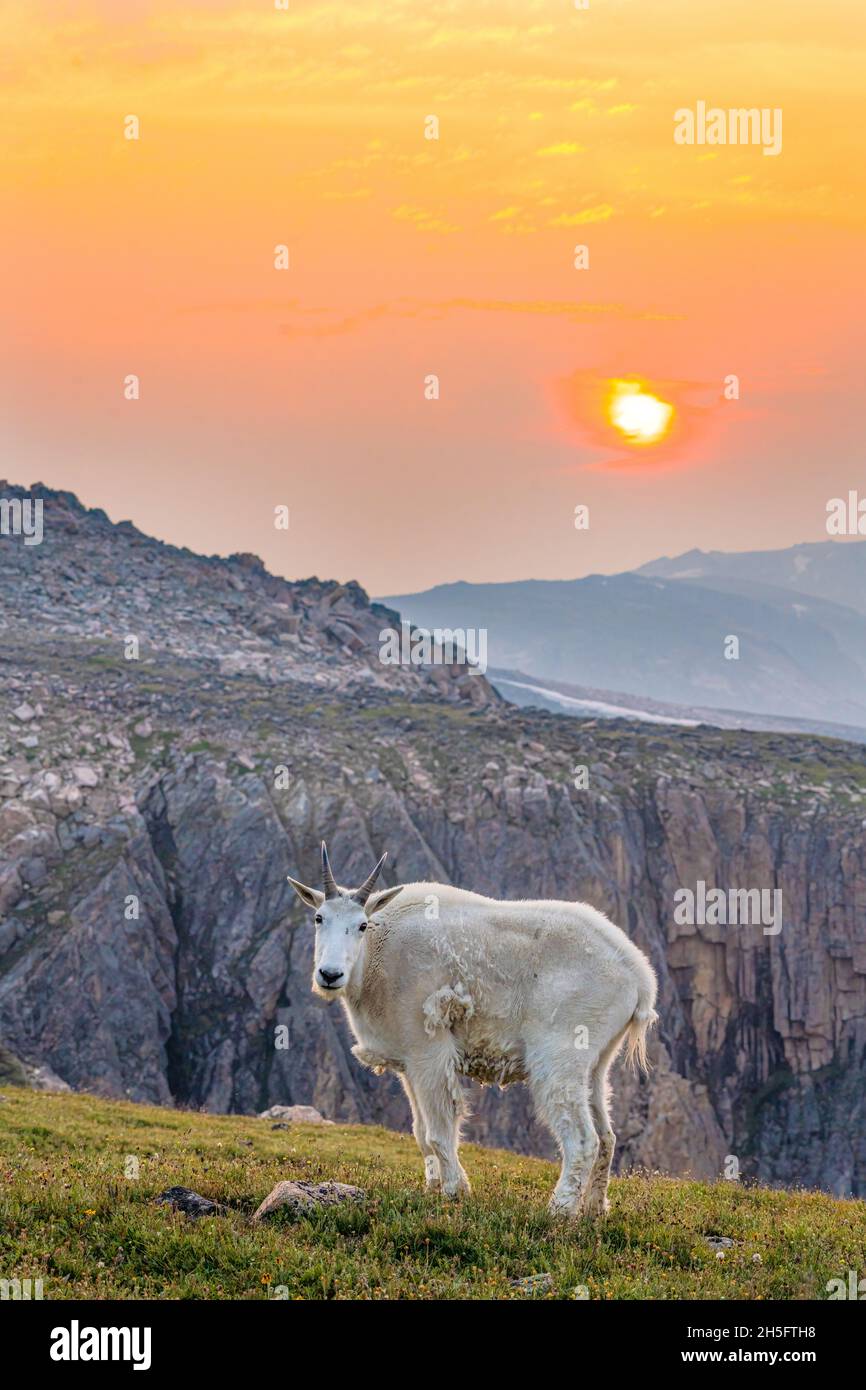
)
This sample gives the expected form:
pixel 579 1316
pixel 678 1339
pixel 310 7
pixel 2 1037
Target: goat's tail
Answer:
pixel 641 1021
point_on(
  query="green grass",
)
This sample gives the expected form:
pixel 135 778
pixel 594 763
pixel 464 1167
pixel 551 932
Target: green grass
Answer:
pixel 69 1216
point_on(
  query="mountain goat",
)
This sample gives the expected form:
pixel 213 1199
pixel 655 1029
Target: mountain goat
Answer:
pixel 439 983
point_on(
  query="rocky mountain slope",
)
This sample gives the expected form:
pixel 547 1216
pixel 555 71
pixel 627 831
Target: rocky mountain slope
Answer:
pixel 151 808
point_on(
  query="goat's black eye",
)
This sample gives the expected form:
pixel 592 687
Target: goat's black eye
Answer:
pixel 318 920
pixel 363 926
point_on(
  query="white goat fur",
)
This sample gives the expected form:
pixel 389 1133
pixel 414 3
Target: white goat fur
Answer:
pixel 538 991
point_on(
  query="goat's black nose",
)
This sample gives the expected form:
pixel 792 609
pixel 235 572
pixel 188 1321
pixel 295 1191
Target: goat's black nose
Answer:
pixel 330 977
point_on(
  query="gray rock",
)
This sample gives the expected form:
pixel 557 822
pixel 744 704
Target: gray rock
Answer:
pixel 295 1114
pixel 85 776
pixel 42 1078
pixel 718 1242
pixel 191 1203
pixel 533 1283
pixel 302 1196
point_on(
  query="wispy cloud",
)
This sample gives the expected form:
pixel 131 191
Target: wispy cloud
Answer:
pixel 600 213
pixel 563 147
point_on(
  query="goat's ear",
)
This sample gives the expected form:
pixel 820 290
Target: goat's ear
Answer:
pixel 311 896
pixel 378 900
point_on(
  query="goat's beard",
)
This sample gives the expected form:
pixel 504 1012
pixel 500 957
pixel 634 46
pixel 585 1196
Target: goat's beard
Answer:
pixel 329 995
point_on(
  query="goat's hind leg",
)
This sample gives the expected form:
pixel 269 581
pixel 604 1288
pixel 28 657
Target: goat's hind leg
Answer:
pixel 596 1203
pixel 562 1099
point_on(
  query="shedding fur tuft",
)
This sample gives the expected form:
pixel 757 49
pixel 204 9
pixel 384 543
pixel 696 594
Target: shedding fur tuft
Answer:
pixel 642 1020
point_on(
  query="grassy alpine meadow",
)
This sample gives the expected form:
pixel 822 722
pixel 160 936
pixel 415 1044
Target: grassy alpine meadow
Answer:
pixel 70 1216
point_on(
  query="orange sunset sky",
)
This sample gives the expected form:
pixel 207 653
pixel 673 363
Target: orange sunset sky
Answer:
pixel 455 257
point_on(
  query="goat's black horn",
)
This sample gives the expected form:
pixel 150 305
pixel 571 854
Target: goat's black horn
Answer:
pixel 328 881
pixel 361 894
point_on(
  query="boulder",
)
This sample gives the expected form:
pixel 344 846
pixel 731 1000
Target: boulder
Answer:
pixel 302 1196
pixel 191 1203
pixel 295 1114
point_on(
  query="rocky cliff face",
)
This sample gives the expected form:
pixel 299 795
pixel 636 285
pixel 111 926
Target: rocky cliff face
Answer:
pixel 151 808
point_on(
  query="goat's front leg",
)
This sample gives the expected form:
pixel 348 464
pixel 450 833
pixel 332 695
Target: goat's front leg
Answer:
pixel 439 1097
pixel 432 1172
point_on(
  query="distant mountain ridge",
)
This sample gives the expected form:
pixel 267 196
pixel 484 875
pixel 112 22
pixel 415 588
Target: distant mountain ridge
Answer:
pixel 661 631
pixel 830 570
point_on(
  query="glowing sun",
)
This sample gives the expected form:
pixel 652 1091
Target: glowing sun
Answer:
pixel 639 415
